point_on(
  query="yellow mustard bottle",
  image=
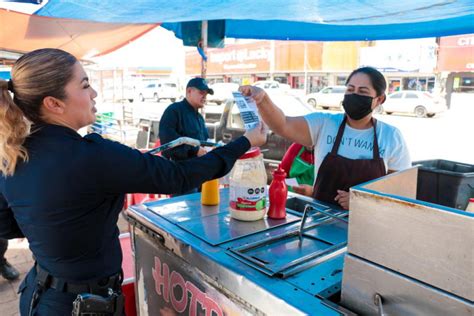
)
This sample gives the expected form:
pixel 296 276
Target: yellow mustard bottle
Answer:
pixel 210 192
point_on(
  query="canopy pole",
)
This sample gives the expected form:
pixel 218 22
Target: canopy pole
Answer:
pixel 204 48
pixel 305 68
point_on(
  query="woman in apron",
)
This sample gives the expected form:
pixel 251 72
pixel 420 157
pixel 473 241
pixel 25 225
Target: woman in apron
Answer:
pixel 350 147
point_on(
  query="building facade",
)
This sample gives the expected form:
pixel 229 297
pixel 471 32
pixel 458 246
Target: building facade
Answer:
pixel 456 67
pixel 303 65
pixel 439 65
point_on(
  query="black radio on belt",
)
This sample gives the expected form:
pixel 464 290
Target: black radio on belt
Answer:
pixel 95 305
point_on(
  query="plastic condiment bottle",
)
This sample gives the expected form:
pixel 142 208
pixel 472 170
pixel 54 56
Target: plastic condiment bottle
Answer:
pixel 247 187
pixel 470 206
pixel 210 192
pixel 278 193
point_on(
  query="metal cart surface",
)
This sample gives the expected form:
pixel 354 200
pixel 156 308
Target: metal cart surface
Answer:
pixel 196 260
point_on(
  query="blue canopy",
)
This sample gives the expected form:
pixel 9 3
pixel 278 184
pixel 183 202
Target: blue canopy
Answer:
pixel 284 19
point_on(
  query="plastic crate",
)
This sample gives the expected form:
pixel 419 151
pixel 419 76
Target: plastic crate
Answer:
pixel 445 182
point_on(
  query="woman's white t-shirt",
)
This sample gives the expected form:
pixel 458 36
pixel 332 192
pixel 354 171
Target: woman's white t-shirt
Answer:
pixel 356 143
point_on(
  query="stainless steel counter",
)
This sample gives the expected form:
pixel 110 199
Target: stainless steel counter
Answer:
pixel 261 267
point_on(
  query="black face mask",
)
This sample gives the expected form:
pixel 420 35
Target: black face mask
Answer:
pixel 357 106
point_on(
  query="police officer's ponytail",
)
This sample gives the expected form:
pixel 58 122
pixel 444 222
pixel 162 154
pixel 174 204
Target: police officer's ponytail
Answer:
pixel 14 129
pixel 35 76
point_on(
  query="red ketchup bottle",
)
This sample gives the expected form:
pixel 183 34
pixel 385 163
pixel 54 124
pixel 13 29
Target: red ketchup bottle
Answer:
pixel 278 193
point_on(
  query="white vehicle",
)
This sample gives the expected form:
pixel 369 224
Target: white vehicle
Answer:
pixel 159 90
pixel 222 92
pixel 270 85
pixel 329 97
pixel 420 103
pixel 116 94
pixel 290 105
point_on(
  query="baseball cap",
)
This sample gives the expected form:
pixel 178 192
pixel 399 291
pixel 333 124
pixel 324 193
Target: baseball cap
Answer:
pixel 200 84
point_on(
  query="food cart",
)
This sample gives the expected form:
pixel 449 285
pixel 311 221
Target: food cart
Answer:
pixel 403 256
pixel 187 250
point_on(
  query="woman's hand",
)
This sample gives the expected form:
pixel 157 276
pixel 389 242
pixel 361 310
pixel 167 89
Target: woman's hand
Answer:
pixel 342 198
pixel 256 93
pixel 303 189
pixel 201 152
pixel 257 136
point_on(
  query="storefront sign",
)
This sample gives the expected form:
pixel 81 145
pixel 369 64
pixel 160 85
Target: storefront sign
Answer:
pixel 245 58
pixel 456 53
pixel 262 57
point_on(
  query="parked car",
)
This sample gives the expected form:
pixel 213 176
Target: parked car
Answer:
pixel 420 103
pixel 159 90
pixel 118 93
pixel 230 126
pixel 271 85
pixel 222 92
pixel 329 97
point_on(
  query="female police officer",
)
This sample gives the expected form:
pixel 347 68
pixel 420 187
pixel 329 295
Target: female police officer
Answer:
pixel 350 148
pixel 64 192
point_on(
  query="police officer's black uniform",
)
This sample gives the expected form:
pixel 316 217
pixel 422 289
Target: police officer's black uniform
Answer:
pixel 66 200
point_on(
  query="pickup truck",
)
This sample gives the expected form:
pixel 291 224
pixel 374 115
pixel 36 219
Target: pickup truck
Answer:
pixel 225 124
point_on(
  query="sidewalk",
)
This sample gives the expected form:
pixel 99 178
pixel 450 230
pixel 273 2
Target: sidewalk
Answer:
pixel 19 255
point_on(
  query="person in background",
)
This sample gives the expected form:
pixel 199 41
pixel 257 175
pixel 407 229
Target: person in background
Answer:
pixel 6 269
pixel 64 192
pixel 298 163
pixel 351 147
pixel 183 119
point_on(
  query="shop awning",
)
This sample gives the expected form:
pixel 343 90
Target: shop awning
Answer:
pixel 283 19
pixel 21 32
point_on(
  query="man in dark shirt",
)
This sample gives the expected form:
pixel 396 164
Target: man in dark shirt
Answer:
pixel 183 119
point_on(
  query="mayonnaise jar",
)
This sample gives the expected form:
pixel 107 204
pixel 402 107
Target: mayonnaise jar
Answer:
pixel 248 186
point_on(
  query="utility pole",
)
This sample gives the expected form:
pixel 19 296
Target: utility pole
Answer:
pixel 204 49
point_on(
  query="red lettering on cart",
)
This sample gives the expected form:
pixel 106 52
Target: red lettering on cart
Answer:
pixel 177 280
pixel 161 275
pixel 206 302
pixel 196 296
pixel 211 305
pixel 161 279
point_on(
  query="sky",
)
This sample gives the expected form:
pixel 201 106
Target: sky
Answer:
pixel 157 48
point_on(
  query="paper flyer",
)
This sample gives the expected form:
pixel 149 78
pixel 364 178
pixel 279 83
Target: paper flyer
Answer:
pixel 248 110
pixel 291 182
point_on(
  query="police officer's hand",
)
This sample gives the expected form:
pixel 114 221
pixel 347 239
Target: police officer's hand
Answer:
pixel 303 189
pixel 258 94
pixel 342 198
pixel 201 152
pixel 257 136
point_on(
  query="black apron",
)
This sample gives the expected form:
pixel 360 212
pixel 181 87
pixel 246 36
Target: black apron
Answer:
pixel 340 173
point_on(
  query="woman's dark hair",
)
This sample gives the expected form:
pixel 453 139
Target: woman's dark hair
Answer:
pixel 378 80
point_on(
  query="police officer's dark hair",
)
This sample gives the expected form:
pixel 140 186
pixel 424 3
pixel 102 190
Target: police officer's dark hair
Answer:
pixel 34 76
pixel 378 80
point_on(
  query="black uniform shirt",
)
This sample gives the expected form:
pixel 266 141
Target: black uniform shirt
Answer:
pixel 67 197
pixel 181 119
